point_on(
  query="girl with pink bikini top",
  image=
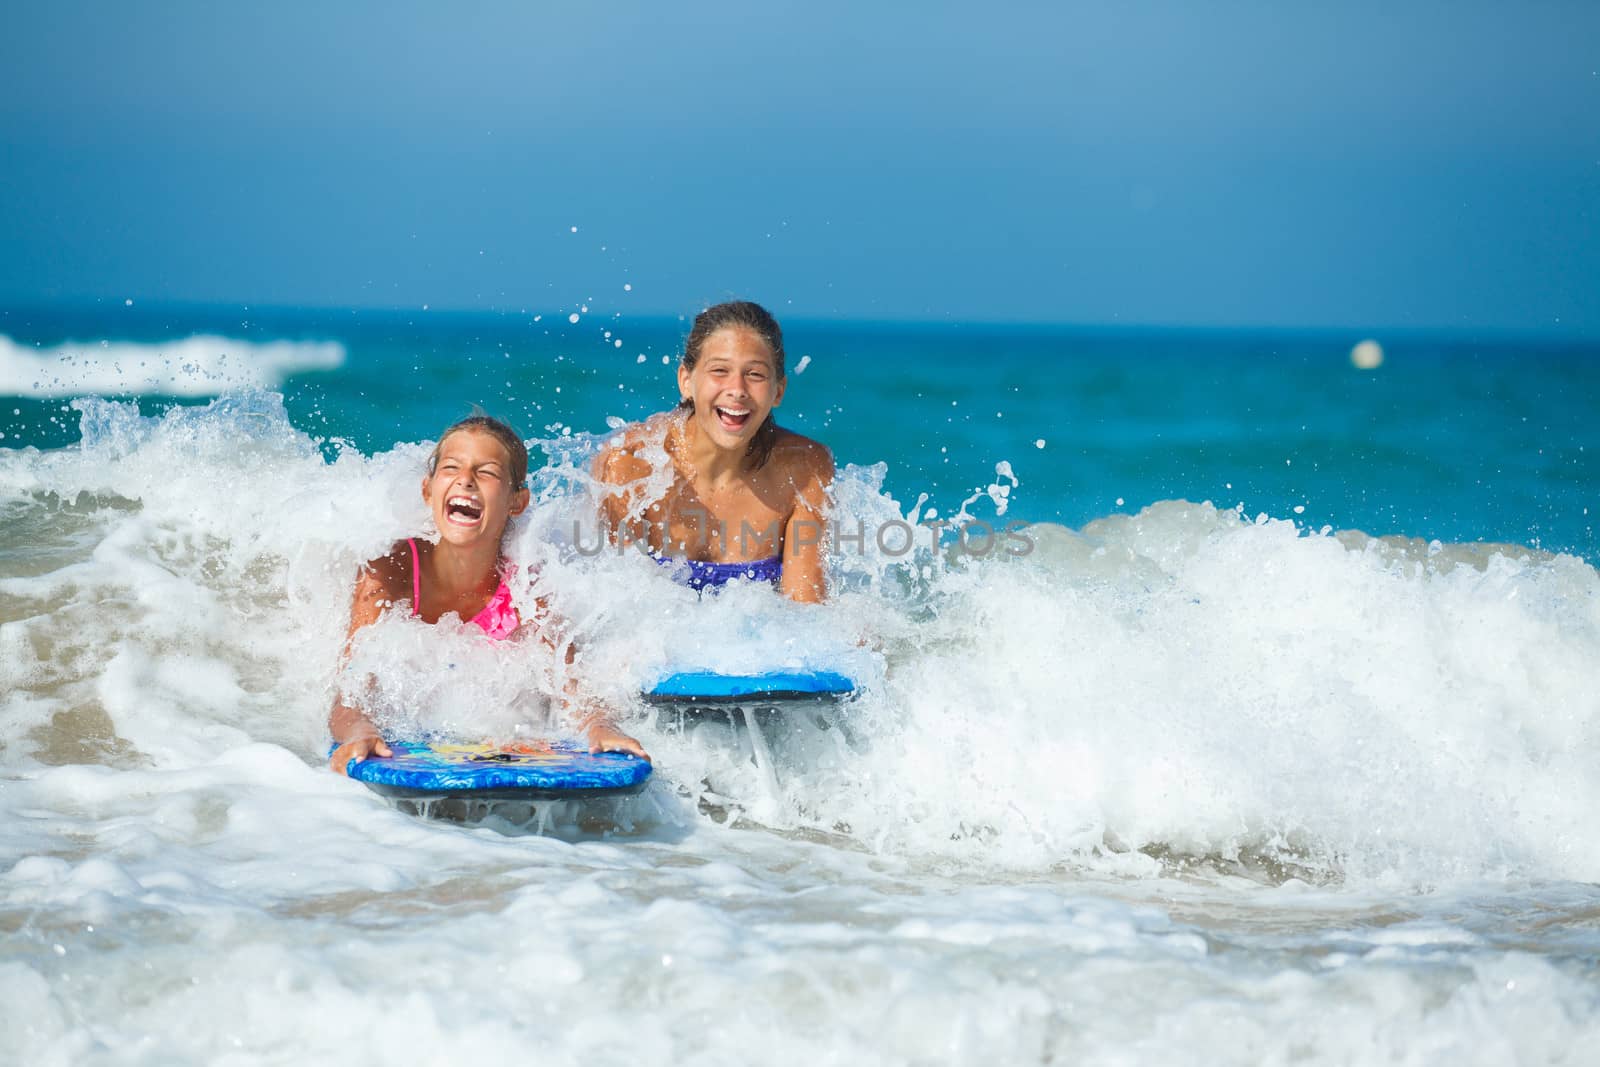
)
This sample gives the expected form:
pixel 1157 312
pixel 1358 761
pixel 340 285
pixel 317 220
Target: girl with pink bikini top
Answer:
pixel 476 481
pixel 498 618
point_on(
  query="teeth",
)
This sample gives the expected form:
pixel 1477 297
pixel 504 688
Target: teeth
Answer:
pixel 735 412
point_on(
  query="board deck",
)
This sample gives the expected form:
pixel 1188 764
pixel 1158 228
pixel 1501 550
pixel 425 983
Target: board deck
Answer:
pixel 524 770
pixel 708 687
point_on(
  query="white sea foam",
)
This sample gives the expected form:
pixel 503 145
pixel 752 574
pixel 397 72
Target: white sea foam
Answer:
pixel 1176 682
pixel 201 365
pixel 1293 796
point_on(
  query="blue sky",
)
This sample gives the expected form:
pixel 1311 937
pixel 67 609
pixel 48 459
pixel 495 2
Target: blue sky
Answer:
pixel 1353 165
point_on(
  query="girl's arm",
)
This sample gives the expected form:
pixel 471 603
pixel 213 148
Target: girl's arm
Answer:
pixel 617 466
pixel 589 716
pixel 805 567
pixel 601 730
pixel 356 734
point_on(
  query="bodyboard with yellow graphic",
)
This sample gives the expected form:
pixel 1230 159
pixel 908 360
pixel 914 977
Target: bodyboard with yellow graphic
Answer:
pixel 523 770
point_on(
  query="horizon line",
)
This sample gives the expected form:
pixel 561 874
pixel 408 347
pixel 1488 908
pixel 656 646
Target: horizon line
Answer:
pixel 1375 331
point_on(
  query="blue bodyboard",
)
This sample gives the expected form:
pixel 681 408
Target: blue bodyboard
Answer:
pixel 524 770
pixel 709 687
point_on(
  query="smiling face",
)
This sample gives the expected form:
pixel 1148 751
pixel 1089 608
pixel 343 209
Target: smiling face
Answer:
pixel 471 489
pixel 734 386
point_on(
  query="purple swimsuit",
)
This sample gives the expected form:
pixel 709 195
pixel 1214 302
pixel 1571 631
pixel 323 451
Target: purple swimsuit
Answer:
pixel 701 575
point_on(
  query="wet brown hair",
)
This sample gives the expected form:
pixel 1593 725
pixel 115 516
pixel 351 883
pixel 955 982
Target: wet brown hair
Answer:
pixel 741 315
pixel 482 423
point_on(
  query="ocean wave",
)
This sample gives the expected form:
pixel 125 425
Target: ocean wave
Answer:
pixel 196 366
pixel 1184 685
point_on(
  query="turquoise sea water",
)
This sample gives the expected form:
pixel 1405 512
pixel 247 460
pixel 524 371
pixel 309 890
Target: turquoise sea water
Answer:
pixel 1456 439
pixel 1228 783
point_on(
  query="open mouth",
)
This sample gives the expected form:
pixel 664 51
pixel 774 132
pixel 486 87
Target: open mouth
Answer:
pixel 463 511
pixel 733 419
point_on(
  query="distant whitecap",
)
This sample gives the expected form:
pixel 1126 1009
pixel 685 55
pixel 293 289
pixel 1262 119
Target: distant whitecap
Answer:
pixel 202 365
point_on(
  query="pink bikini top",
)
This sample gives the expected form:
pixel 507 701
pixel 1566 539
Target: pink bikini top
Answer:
pixel 498 618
